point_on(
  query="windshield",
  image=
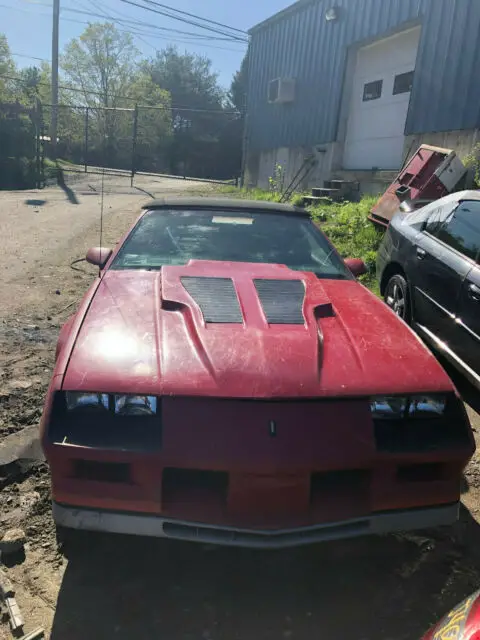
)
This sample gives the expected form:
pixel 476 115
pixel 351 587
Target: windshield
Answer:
pixel 174 237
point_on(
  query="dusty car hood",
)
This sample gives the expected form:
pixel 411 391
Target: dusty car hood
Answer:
pixel 144 332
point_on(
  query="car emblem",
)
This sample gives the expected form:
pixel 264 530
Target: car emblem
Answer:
pixel 273 428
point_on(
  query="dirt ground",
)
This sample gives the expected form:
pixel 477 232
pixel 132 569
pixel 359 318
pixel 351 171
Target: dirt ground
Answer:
pixel 385 588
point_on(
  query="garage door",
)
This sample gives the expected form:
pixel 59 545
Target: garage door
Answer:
pixel 379 105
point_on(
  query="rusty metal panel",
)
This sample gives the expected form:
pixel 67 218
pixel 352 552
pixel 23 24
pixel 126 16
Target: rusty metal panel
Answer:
pixel 300 43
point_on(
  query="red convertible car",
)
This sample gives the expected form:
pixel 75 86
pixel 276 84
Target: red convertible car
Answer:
pixel 227 379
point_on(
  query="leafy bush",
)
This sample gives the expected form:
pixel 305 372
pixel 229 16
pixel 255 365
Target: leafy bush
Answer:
pixel 17 173
pixel 354 236
pixel 297 199
pixel 276 181
pixel 472 162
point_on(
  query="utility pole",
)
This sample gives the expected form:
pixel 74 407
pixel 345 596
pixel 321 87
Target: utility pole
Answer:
pixel 54 107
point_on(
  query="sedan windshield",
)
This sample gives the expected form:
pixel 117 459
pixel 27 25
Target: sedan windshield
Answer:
pixel 174 237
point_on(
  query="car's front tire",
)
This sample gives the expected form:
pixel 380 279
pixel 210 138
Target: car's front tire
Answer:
pixel 397 296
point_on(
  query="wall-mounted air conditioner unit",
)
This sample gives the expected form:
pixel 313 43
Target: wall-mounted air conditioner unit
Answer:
pixel 281 90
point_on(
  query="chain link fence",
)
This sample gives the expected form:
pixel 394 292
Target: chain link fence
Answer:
pixel 157 140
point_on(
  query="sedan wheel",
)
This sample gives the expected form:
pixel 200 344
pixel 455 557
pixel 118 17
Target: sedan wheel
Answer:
pixel 396 296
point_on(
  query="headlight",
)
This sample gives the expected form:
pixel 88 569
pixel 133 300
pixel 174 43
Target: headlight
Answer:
pixel 125 405
pixel 427 406
pixel 400 407
pixel 86 401
pixel 388 407
pixel 135 405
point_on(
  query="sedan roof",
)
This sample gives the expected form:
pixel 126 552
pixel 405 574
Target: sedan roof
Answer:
pixel 458 196
pixel 223 203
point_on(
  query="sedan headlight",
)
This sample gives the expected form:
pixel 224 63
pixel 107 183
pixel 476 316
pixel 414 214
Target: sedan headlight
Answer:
pixel 125 405
pixel 77 401
pixel 135 405
pixel 427 406
pixel 400 407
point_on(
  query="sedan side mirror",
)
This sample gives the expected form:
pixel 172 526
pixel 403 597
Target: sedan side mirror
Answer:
pixel 356 266
pixel 98 256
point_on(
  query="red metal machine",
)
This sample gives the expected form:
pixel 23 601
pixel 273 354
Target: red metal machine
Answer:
pixel 430 174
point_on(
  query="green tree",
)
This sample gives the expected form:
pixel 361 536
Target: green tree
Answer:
pixel 154 124
pixel 188 77
pixel 231 146
pixel 102 62
pixel 198 104
pixel 238 89
pixel 7 68
pixel 34 82
pixel 29 84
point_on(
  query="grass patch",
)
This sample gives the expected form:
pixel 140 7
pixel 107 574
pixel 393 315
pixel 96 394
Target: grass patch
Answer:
pixel 354 236
pixel 346 224
pixel 250 194
pixel 50 169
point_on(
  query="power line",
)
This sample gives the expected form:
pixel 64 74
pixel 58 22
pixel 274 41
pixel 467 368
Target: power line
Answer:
pixel 137 33
pixel 97 93
pixel 24 55
pixel 157 37
pixel 191 15
pixel 196 24
pixel 229 37
pixel 108 17
pixel 138 23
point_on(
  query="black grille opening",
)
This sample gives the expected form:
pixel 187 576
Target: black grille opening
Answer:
pixel 336 495
pixel 282 300
pixel 404 436
pixel 332 482
pixel 216 298
pixel 191 485
pixel 117 472
pixel 104 429
pixel 421 472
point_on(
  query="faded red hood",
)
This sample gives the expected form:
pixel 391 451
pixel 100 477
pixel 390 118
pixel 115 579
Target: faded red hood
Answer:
pixel 144 333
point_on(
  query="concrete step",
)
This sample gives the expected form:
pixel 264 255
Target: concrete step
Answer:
pixel 370 182
pixel 325 192
pixel 344 185
pixel 316 201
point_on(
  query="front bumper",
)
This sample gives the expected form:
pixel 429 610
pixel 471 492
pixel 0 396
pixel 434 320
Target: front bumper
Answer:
pixel 156 526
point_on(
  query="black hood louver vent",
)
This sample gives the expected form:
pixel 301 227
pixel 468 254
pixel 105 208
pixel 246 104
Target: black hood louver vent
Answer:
pixel 216 298
pixel 282 300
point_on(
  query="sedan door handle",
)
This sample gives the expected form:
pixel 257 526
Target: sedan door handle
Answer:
pixel 474 292
pixel 421 253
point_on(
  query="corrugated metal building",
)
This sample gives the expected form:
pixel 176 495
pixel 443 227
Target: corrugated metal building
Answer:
pixel 360 83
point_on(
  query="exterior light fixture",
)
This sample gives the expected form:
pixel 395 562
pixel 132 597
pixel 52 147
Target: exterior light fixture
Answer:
pixel 331 14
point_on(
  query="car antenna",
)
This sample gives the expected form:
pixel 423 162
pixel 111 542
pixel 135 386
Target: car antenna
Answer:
pixel 101 215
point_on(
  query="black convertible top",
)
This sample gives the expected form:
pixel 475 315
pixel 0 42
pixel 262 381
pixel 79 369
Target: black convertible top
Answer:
pixel 223 203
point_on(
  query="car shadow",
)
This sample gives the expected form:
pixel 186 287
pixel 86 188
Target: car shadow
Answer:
pixel 373 587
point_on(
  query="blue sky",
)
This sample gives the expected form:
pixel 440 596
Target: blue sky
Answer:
pixel 27 25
